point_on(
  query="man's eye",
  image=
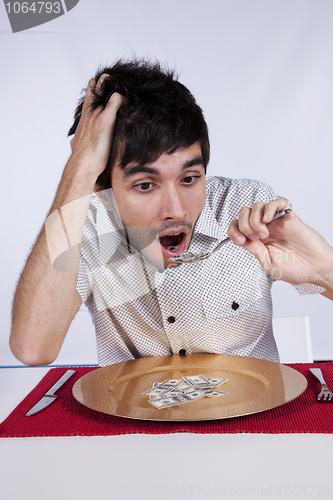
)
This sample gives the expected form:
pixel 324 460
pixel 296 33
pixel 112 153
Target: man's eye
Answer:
pixel 190 179
pixel 143 186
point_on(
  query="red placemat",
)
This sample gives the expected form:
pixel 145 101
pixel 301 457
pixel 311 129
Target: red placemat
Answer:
pixel 67 417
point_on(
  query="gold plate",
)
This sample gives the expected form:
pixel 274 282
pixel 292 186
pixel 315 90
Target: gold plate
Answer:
pixel 254 385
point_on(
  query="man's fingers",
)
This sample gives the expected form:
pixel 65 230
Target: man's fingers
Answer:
pixel 250 222
pixel 92 88
pixel 235 234
pixel 100 81
pixel 271 208
pixel 258 227
pixel 109 114
pixel 115 101
pixel 89 94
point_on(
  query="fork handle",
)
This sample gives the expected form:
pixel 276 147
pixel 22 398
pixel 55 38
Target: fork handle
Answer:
pixel 318 373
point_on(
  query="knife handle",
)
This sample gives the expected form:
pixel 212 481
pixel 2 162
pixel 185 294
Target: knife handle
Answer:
pixel 60 382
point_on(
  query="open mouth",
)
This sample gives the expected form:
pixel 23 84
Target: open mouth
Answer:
pixel 173 244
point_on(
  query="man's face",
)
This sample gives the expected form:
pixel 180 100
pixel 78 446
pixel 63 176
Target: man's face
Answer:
pixel 161 202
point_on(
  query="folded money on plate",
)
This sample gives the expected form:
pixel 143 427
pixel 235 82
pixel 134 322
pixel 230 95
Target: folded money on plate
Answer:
pixel 173 392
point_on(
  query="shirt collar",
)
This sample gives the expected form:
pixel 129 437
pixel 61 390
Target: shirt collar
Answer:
pixel 109 237
pixel 208 225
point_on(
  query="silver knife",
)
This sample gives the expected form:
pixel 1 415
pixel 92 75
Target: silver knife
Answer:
pixel 49 397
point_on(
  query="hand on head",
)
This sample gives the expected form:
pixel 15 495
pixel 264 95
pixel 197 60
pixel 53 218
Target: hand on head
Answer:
pixel 93 137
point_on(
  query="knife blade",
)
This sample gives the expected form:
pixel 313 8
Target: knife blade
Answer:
pixel 49 397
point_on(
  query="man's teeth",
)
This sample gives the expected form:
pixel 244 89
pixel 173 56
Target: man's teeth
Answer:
pixel 172 249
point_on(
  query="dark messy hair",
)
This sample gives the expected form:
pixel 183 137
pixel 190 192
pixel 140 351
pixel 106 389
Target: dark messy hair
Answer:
pixel 161 115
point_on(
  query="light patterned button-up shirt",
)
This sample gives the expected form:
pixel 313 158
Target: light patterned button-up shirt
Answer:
pixel 220 305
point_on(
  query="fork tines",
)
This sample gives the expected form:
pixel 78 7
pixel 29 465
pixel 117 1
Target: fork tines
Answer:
pixel 325 395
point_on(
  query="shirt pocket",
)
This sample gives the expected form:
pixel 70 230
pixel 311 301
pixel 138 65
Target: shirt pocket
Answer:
pixel 223 301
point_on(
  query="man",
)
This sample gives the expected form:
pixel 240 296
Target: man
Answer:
pixel 141 144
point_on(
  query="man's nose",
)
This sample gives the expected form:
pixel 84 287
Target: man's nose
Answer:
pixel 173 206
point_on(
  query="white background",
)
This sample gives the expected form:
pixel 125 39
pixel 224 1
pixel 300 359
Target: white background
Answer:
pixel 262 70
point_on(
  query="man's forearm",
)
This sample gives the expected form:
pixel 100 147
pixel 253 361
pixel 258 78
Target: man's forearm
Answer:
pixel 325 278
pixel 46 299
pixel 327 283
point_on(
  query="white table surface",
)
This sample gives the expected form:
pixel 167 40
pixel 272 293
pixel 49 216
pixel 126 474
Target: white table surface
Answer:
pixel 158 466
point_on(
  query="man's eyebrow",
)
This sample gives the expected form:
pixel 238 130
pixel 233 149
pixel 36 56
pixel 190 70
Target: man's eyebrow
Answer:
pixel 136 169
pixel 198 160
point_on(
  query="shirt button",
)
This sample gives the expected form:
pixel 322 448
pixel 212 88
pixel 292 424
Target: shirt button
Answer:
pixel 182 352
pixel 235 306
pixel 171 319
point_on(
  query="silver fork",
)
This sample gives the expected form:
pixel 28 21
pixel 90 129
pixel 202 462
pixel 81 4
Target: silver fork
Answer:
pixel 189 257
pixel 325 393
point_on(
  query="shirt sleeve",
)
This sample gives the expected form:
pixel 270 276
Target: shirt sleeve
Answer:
pixel 308 289
pixel 84 281
pixel 89 248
